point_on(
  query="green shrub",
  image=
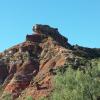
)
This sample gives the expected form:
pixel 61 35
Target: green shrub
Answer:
pixel 29 98
pixel 42 98
pixel 77 85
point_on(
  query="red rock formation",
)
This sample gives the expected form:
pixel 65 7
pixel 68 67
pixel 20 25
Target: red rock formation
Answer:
pixel 31 64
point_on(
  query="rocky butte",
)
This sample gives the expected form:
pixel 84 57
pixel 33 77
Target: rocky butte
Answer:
pixel 28 68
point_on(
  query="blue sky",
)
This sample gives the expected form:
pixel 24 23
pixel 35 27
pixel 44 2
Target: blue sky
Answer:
pixel 79 20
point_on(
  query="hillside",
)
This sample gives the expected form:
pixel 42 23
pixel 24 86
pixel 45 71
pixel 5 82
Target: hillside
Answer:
pixel 28 69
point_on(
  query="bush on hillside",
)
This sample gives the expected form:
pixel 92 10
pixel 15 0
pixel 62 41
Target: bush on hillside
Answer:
pixel 77 85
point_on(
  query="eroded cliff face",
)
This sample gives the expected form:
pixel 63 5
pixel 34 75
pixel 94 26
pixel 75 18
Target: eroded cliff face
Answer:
pixel 27 69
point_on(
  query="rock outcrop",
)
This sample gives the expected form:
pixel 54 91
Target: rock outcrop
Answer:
pixel 27 69
pixel 44 31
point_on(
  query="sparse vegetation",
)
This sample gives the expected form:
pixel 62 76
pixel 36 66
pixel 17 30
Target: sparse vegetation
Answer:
pixel 7 96
pixel 1 90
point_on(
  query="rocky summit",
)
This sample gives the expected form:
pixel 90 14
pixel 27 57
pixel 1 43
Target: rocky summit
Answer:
pixel 27 69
